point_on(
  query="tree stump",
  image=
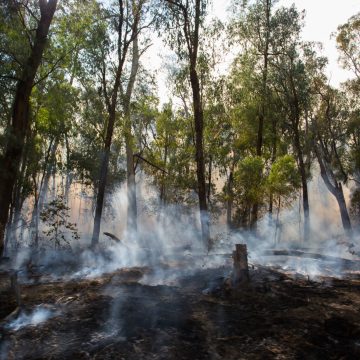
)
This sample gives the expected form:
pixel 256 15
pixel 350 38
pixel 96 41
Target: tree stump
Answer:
pixel 15 286
pixel 241 270
pixel 10 297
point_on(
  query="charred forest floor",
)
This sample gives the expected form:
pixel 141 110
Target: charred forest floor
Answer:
pixel 198 316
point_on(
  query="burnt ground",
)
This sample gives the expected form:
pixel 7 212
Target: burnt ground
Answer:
pixel 116 316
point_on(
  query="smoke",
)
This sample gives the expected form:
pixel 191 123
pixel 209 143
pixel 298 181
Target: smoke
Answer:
pixel 35 317
pixel 168 239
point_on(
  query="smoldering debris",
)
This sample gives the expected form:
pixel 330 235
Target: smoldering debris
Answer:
pixel 161 294
pixel 115 316
pixel 30 317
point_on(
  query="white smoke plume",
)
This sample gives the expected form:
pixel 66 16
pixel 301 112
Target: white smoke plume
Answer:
pixel 35 317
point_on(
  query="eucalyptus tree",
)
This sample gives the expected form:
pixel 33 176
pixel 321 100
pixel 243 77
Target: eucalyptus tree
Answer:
pixel 348 44
pixel 292 85
pixel 348 40
pixel 140 44
pixel 254 31
pixel 242 102
pixel 115 29
pixel 170 151
pixel 129 140
pixel 330 145
pixel 184 20
pixel 36 26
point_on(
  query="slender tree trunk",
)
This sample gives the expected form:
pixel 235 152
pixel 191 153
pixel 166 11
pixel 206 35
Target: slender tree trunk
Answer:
pixel 163 186
pixel 129 142
pixel 9 229
pixel 262 114
pixel 69 176
pixel 199 155
pixel 49 170
pixel 102 182
pixel 277 220
pixel 273 159
pixel 305 194
pixel 131 184
pixel 295 120
pixel 125 38
pixel 209 180
pixel 229 202
pixel 336 189
pixel 17 202
pixel 345 218
pixel 9 164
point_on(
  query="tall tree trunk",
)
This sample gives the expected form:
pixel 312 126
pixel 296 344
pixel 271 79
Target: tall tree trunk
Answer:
pixel 345 218
pixel 41 189
pixel 273 159
pixel 262 114
pixel 209 180
pixel 295 120
pixel 336 189
pixel 163 186
pixel 69 176
pixel 50 169
pixel 229 202
pixel 9 165
pixel 102 179
pixel 199 155
pixel 125 38
pixel 18 200
pixel 129 141
pixel 305 194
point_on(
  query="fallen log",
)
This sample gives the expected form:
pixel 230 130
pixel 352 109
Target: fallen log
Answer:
pixel 345 263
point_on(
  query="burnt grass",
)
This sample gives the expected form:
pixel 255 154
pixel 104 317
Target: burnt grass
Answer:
pixel 116 316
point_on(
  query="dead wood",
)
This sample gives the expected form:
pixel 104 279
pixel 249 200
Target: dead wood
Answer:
pixel 346 263
pixel 112 236
pixel 150 163
pixel 241 269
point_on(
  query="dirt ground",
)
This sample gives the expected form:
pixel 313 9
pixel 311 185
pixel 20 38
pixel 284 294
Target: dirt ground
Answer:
pixel 198 316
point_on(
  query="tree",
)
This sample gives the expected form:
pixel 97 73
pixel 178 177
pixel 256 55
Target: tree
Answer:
pixel 16 131
pixel 125 20
pixel 55 216
pixel 348 39
pixel 292 85
pixel 255 30
pixel 330 143
pixel 283 183
pixel 187 17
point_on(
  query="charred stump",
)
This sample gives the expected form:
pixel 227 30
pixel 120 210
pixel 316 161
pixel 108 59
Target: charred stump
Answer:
pixel 241 270
pixel 10 297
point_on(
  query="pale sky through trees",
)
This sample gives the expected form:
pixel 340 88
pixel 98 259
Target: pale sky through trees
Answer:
pixel 321 20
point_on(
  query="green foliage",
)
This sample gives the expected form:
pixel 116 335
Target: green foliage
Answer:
pixel 348 43
pixel 249 182
pixel 355 206
pixel 284 179
pixel 172 150
pixel 58 228
pixel 70 107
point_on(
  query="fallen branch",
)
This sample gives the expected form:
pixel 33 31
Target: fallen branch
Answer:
pixel 112 236
pixel 150 163
pixel 297 253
